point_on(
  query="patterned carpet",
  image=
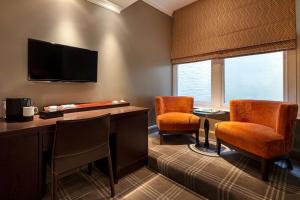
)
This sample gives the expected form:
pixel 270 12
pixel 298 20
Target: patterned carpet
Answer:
pixel 144 184
pixel 231 176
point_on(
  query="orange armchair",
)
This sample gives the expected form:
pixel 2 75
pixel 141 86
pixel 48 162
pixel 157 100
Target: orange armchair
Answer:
pixel 175 115
pixel 262 128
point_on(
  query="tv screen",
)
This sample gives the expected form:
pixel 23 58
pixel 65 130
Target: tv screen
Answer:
pixel 55 62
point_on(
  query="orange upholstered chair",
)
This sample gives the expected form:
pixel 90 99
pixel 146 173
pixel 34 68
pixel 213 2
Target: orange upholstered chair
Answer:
pixel 175 115
pixel 262 128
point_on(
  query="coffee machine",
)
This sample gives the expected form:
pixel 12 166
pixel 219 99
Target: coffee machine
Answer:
pixel 14 109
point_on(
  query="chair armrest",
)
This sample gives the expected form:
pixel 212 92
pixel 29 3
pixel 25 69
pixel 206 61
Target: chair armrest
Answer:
pixel 159 106
pixel 286 122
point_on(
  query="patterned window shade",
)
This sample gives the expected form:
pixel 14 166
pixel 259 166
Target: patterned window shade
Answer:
pixel 209 29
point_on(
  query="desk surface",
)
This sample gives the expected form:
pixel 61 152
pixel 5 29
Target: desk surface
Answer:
pixel 7 128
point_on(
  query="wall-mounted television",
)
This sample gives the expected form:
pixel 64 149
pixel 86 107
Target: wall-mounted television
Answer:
pixel 55 62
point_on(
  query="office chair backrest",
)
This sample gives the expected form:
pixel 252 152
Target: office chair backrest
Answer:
pixel 77 142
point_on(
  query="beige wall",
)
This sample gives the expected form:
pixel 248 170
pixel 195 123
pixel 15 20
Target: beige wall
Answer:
pixel 134 50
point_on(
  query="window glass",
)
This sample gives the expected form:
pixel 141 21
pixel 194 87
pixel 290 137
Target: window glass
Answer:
pixel 194 79
pixel 255 77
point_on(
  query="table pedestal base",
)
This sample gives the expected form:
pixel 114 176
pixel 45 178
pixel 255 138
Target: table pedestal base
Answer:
pixel 206 130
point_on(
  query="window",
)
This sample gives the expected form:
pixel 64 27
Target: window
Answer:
pixel 254 77
pixel 194 79
pixel 214 83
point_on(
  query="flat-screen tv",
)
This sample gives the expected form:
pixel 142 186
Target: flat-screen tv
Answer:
pixel 56 62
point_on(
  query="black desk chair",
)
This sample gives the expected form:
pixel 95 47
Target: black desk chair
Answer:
pixel 77 143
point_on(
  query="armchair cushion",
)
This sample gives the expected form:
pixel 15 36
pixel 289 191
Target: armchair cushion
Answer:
pixel 177 121
pixel 257 139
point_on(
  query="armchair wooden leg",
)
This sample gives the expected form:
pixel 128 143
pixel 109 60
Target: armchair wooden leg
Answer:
pixel 219 147
pixel 90 168
pixel 161 139
pixel 197 139
pixel 265 169
pixel 289 163
pixel 111 178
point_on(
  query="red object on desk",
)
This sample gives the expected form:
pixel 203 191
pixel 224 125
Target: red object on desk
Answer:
pixel 91 106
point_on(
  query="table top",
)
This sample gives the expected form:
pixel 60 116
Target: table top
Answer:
pixel 212 114
pixel 5 127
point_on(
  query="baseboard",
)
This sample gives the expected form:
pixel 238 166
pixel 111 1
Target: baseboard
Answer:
pixel 211 134
pixel 152 129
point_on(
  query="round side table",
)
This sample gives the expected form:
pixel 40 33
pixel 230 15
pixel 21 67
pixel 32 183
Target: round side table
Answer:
pixel 217 115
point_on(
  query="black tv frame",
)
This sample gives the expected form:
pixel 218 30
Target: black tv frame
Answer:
pixel 58 80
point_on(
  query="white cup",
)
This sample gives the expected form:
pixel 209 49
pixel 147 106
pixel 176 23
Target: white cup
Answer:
pixel 52 108
pixel 115 102
pixel 30 111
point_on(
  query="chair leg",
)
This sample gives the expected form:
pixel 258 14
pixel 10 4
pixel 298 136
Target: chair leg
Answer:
pixel 111 178
pixel 219 147
pixel 53 186
pixel 265 169
pixel 90 168
pixel 289 163
pixel 161 139
pixel 197 139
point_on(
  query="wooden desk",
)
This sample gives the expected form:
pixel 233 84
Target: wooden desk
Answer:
pixel 22 146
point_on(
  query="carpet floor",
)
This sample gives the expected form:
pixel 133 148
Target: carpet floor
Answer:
pixel 177 172
pixel 144 184
pixel 231 176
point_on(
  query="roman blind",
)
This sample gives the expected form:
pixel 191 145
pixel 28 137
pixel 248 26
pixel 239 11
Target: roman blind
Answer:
pixel 209 29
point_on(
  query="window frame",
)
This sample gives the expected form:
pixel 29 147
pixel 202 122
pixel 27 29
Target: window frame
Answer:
pixel 218 81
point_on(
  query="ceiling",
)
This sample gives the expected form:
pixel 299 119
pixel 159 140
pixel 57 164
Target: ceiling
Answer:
pixel 166 6
pixel 123 3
